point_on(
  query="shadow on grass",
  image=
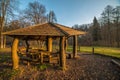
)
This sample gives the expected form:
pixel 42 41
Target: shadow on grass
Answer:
pixel 5 61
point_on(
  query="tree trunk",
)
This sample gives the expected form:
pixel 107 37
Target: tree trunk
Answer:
pixel 1 41
pixel 74 46
pixel 1 30
pixel 15 57
pixel 1 36
pixel 4 44
pixel 62 53
pixel 117 34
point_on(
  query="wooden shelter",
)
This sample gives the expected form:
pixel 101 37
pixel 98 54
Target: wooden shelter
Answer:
pixel 47 31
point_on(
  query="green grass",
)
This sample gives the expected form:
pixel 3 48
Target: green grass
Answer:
pixel 5 50
pixel 109 51
pixel 5 55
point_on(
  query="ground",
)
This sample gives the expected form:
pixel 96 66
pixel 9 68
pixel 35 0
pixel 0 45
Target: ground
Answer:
pixel 86 67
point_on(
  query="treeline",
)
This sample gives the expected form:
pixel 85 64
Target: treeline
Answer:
pixel 104 31
pixel 11 17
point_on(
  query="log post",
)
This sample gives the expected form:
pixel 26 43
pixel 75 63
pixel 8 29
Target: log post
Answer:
pixel 27 44
pixel 75 46
pixel 62 53
pixel 15 58
pixel 66 45
pixel 49 44
pixel 41 57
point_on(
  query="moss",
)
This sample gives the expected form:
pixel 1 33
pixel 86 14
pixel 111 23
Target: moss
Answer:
pixel 42 67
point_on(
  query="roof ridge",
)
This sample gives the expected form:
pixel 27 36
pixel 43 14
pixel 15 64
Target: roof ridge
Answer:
pixel 60 28
pixel 70 28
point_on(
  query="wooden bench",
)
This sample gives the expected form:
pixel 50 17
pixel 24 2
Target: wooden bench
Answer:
pixel 28 57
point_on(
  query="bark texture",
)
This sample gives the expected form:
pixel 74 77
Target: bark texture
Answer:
pixel 15 58
pixel 74 46
pixel 62 53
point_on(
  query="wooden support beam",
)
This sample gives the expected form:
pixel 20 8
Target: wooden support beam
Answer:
pixel 15 58
pixel 49 44
pixel 62 53
pixel 66 44
pixel 27 44
pixel 75 46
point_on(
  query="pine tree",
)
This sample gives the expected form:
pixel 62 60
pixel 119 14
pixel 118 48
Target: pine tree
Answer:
pixel 95 30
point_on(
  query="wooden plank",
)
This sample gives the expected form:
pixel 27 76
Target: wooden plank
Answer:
pixel 115 62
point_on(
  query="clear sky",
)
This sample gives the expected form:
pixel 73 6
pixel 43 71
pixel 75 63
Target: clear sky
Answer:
pixel 70 12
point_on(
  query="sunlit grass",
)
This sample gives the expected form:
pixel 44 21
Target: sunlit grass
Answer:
pixel 5 50
pixel 109 51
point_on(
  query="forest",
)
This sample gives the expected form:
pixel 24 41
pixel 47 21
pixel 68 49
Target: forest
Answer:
pixel 104 31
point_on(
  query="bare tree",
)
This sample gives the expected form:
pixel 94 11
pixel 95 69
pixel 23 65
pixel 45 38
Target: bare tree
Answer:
pixel 107 17
pixel 116 16
pixel 35 12
pixel 51 17
pixel 6 11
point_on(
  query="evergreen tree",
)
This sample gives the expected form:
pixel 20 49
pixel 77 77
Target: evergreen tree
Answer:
pixel 95 30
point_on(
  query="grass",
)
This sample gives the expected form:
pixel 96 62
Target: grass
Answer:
pixel 109 51
pixel 5 50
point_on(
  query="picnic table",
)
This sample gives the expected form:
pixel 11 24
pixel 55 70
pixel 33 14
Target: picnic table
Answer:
pixel 37 55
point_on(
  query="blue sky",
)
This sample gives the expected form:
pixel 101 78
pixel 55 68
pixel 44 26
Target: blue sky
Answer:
pixel 70 12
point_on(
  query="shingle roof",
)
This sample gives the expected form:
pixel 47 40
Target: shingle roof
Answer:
pixel 46 29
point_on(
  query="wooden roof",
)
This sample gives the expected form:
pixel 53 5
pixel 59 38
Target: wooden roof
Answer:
pixel 46 29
